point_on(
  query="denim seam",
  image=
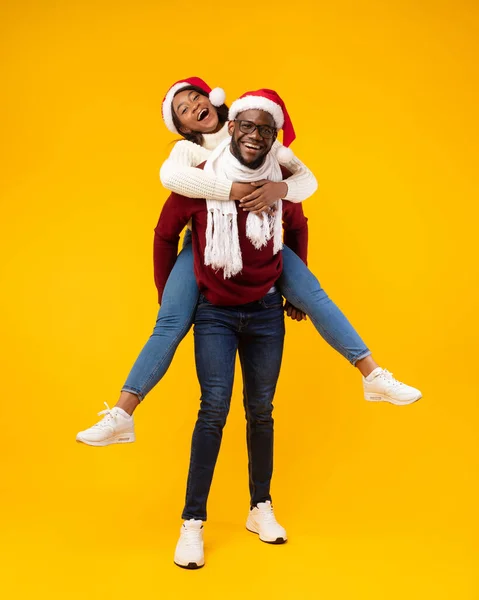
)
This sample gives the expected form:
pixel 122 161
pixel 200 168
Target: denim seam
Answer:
pixel 248 429
pixel 361 356
pixel 132 390
pixel 186 517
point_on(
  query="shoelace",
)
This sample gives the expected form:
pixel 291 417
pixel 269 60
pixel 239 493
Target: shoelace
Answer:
pixel 109 416
pixel 389 376
pixel 268 514
pixel 191 537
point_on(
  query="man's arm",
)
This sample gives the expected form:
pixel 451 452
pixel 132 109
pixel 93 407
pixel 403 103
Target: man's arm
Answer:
pixel 175 215
pixel 296 238
pixel 295 226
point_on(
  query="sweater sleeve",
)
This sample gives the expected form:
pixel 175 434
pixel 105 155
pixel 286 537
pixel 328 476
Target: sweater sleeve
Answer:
pixel 302 184
pixel 176 213
pixel 295 226
pixel 178 174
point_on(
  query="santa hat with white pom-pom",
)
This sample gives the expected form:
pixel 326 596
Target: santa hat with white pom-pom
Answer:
pixel 217 98
pixel 271 102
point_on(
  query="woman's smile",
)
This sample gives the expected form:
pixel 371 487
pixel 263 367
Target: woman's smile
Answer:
pixel 195 112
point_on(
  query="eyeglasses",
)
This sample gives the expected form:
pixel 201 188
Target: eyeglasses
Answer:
pixel 265 131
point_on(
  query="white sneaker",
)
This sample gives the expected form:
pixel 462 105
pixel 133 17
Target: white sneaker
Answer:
pixel 261 520
pixel 116 427
pixel 189 553
pixel 380 385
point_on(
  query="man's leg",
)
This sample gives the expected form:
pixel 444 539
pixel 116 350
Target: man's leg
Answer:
pixel 261 350
pixel 216 342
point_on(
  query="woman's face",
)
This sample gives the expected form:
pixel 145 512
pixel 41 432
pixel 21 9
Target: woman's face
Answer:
pixel 195 112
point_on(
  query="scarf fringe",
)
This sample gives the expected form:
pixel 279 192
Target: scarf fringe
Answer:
pixel 222 249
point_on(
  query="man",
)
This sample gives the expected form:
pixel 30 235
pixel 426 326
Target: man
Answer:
pixel 237 260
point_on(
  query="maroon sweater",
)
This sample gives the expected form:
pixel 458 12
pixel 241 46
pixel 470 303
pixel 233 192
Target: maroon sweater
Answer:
pixel 261 268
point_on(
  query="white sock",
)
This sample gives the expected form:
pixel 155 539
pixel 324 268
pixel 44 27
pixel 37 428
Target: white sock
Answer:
pixel 374 373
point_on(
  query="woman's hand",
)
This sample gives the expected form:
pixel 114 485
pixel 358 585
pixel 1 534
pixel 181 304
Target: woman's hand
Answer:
pixel 264 196
pixel 294 313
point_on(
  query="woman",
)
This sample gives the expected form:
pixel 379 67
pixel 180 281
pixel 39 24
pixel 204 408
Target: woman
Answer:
pixel 191 109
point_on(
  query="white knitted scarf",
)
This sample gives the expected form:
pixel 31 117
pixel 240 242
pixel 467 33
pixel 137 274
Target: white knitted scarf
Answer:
pixel 222 242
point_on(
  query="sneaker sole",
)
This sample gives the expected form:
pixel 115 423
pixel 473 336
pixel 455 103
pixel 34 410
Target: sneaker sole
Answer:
pixel 277 541
pixel 370 397
pixel 190 566
pixel 124 438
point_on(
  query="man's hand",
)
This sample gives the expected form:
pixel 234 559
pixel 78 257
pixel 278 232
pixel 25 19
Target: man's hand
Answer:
pixel 264 196
pixel 240 190
pixel 294 313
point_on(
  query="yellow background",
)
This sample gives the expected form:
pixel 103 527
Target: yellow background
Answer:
pixel 380 502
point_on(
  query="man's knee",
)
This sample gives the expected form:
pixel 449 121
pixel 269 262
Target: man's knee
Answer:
pixel 214 408
pixel 260 412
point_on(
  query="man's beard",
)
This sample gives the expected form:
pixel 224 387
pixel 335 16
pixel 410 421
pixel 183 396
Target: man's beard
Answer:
pixel 236 152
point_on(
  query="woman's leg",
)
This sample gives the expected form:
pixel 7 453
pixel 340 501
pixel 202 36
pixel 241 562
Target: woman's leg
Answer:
pixel 181 284
pixel 300 287
pixel 175 317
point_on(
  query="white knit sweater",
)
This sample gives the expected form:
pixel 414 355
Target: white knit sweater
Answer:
pixel 178 173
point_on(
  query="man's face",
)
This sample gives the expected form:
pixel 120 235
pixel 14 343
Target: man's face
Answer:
pixel 251 148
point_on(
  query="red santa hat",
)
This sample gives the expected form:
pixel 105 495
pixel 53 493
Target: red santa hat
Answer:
pixel 271 102
pixel 217 98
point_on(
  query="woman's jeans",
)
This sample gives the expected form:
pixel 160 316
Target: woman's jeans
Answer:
pixel 180 297
pixel 300 287
pixel 256 332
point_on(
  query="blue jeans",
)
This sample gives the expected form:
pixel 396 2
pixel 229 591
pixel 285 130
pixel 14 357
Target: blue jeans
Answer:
pixel 256 332
pixel 303 290
pixel 180 297
pixel 174 320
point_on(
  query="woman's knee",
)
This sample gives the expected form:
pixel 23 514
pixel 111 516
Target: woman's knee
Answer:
pixel 173 324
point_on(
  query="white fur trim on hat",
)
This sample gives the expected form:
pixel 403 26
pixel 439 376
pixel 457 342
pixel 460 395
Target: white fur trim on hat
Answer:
pixel 257 103
pixel 166 108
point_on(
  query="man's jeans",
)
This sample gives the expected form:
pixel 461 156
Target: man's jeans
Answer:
pixel 256 331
